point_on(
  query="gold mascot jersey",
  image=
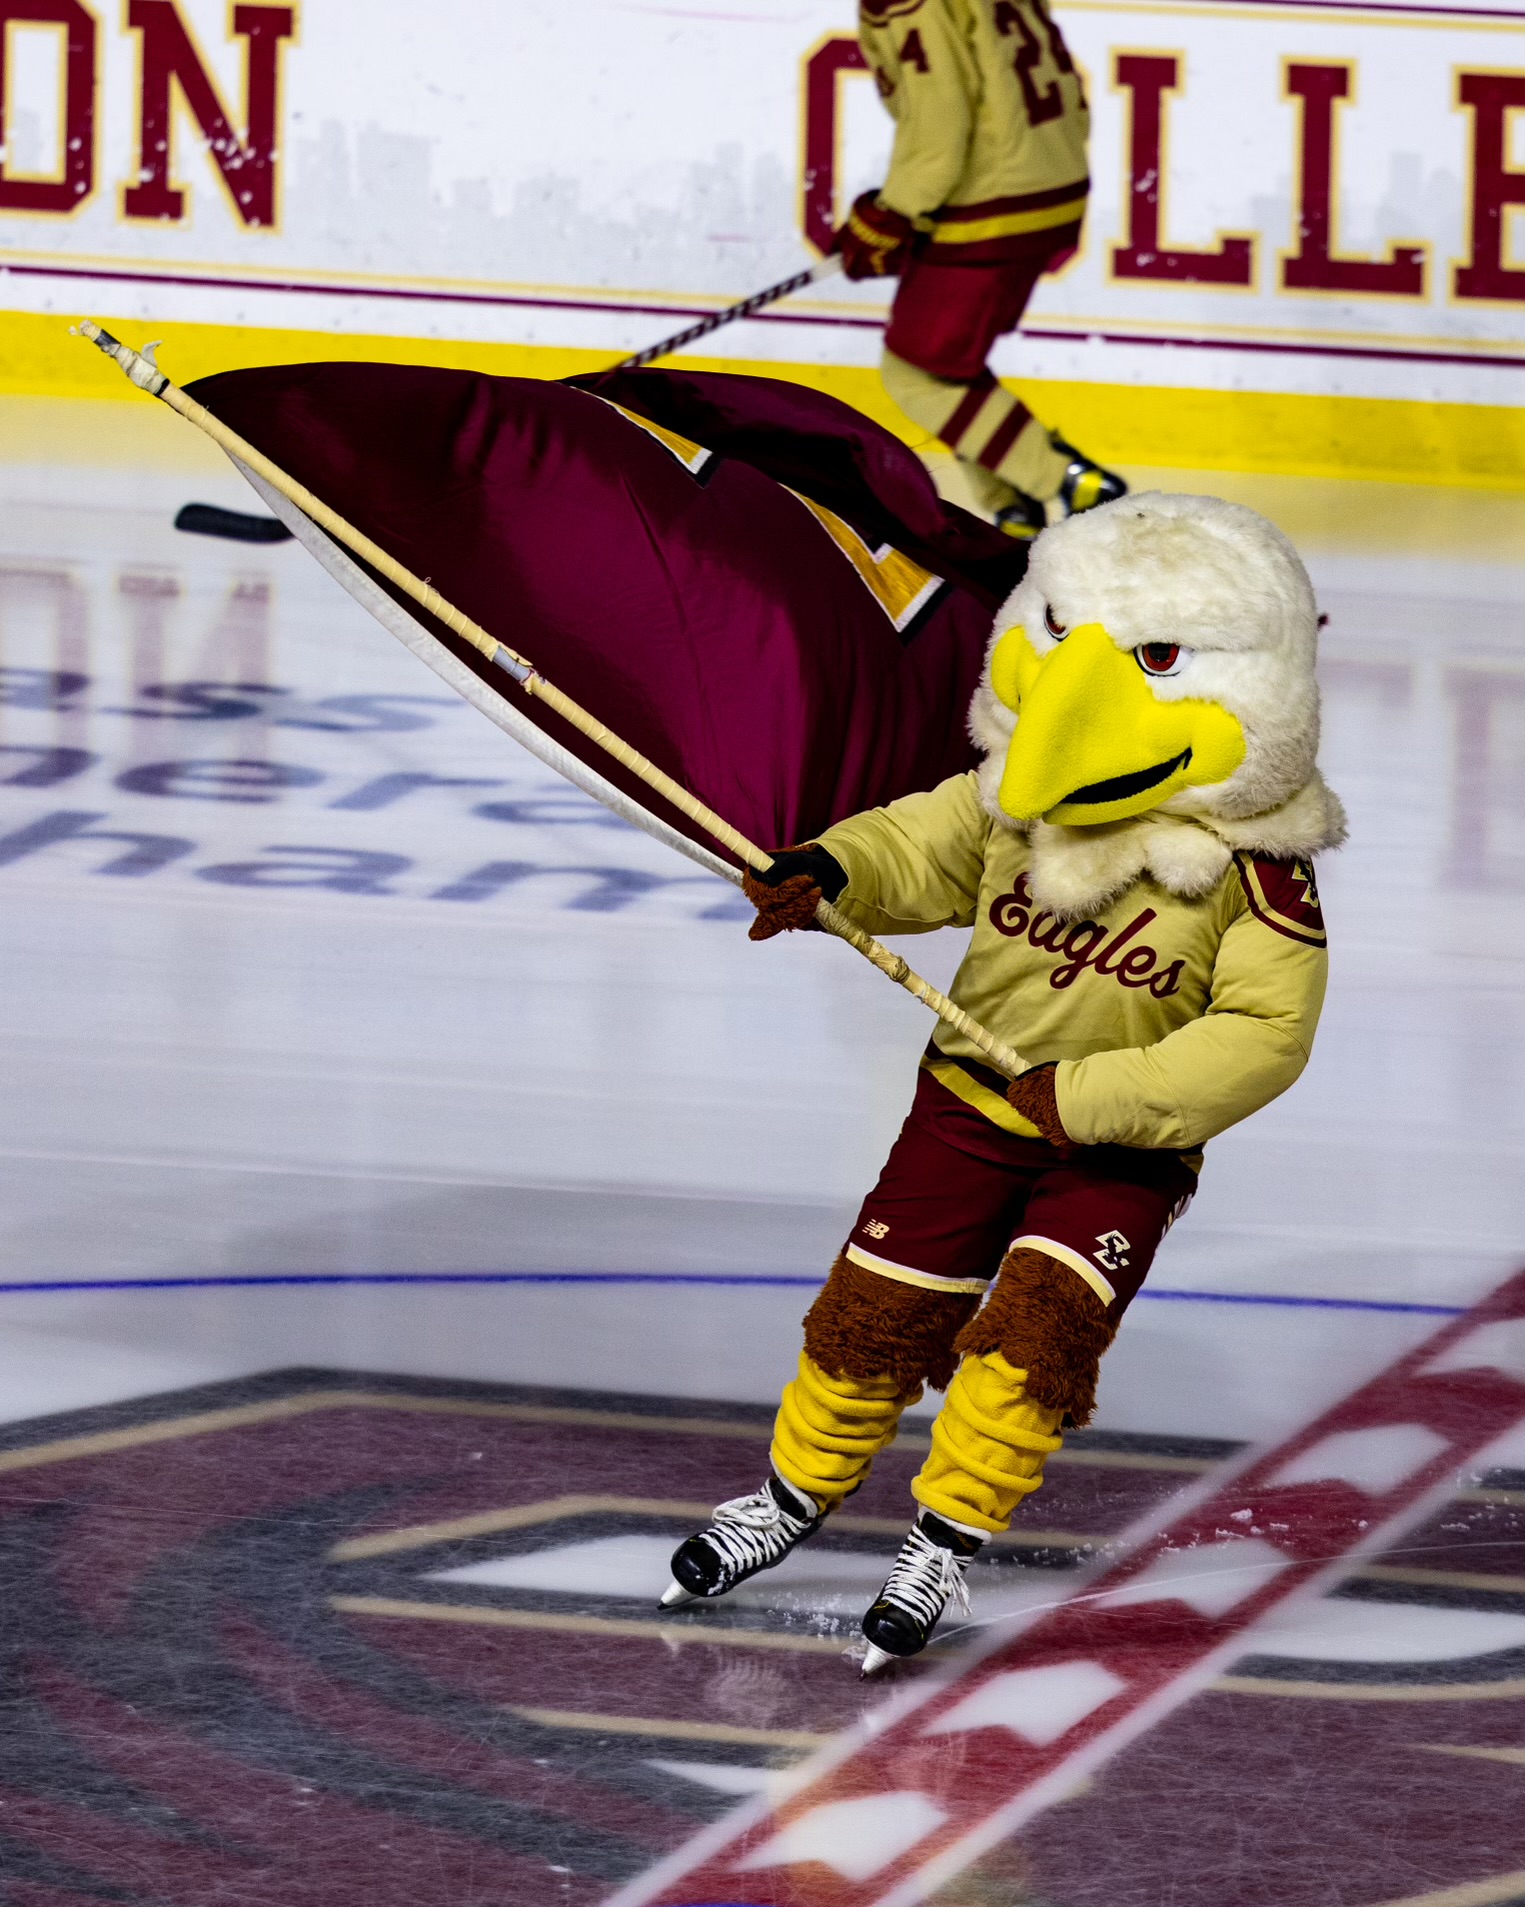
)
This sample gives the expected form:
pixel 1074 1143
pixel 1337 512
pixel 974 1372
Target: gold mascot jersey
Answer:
pixel 990 117
pixel 1172 1019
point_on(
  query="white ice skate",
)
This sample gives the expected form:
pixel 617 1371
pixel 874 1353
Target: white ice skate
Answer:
pixel 928 1575
pixel 749 1534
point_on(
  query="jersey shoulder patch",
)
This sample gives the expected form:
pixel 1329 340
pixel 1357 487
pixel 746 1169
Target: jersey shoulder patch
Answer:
pixel 1284 895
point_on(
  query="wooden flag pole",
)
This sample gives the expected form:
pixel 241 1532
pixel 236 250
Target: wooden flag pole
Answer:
pixel 141 370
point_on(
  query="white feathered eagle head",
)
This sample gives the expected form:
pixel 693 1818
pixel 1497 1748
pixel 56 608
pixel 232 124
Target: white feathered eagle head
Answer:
pixel 1157 656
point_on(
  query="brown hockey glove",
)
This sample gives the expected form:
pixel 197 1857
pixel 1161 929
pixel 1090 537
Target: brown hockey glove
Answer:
pixel 1032 1093
pixel 787 894
pixel 876 241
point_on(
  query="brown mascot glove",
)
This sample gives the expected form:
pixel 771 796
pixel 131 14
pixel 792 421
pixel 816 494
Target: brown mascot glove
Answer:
pixel 876 241
pixel 1033 1095
pixel 787 894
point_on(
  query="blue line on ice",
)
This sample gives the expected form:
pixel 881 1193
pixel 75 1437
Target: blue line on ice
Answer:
pixel 656 1278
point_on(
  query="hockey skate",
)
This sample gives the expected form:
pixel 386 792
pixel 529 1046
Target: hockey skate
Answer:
pixel 928 1575
pixel 749 1534
pixel 1085 483
pixel 1024 517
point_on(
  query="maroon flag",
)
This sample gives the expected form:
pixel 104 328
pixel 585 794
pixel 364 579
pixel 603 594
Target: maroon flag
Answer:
pixel 749 582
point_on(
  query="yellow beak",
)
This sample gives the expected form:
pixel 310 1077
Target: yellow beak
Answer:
pixel 1094 742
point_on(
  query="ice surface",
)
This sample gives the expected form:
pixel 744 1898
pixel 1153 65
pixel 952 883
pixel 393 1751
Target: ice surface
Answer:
pixel 580 1071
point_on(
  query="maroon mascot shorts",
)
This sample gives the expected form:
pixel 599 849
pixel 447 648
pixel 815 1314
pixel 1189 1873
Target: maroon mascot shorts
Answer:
pixel 957 1193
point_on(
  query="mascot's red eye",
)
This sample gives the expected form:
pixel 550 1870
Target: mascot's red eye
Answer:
pixel 1158 658
pixel 1051 622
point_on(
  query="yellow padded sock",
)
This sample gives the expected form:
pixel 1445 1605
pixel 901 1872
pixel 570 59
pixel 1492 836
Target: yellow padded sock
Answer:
pixel 994 434
pixel 989 1444
pixel 830 1429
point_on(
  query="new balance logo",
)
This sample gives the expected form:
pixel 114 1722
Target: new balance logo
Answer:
pixel 876 1228
pixel 1113 1255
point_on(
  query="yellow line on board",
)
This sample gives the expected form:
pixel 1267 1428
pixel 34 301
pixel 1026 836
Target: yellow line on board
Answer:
pixel 475 1616
pixel 676 1731
pixel 1149 330
pixel 1165 427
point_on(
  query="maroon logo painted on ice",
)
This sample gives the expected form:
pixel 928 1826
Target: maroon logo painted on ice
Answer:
pixel 1085 943
pixel 1056 1704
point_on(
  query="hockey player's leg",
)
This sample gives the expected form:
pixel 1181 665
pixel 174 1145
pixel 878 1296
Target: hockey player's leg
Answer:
pixel 871 1343
pixel 1002 448
pixel 945 320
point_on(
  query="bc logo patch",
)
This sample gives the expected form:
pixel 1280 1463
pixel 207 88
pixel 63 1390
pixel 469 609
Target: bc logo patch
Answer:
pixel 1113 1255
pixel 1284 895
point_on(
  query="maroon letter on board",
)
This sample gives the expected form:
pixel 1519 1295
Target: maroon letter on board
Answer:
pixel 169 59
pixel 76 172
pixel 1492 97
pixel 1313 267
pixel 1149 77
pixel 840 54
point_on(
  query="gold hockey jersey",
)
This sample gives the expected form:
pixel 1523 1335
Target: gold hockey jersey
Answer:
pixel 990 118
pixel 1171 1018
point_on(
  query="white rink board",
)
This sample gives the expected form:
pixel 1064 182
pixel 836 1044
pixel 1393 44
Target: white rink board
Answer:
pixel 539 173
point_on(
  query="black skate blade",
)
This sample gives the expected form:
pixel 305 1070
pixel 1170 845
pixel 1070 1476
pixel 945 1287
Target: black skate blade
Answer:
pixel 207 519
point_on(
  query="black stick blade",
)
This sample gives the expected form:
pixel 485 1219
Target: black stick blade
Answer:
pixel 206 519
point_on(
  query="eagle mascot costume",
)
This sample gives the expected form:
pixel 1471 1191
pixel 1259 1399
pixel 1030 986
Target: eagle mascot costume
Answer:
pixel 1133 845
pixel 1135 856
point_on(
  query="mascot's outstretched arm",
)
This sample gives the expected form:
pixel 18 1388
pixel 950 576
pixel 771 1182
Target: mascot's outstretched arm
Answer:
pixel 1135 857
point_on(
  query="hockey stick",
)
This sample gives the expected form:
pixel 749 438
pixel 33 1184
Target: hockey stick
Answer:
pixel 141 370
pixel 822 268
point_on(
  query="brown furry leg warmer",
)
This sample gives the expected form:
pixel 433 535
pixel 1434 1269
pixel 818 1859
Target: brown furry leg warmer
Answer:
pixel 1045 1319
pixel 866 1326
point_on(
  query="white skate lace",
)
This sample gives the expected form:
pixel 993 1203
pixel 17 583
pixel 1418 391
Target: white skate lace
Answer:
pixel 926 1578
pixel 750 1532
